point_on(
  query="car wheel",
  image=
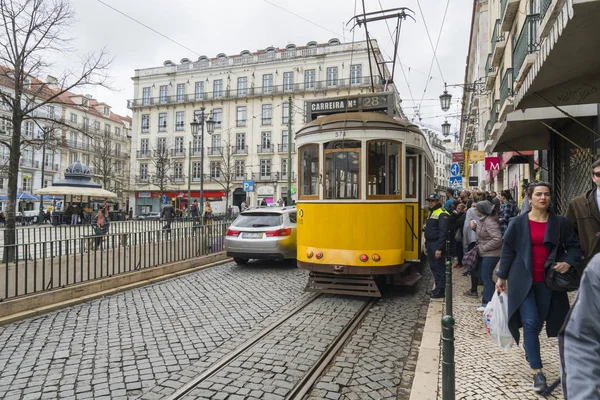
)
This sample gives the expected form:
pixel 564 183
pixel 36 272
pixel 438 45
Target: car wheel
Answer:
pixel 240 261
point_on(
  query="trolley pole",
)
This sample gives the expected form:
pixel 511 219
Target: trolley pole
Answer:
pixel 448 373
pixel 289 153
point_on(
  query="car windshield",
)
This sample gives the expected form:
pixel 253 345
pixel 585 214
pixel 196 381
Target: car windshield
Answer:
pixel 258 220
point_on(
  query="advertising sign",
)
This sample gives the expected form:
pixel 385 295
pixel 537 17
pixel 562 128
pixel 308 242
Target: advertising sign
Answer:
pixel 492 163
pixel 476 155
pixel 456 157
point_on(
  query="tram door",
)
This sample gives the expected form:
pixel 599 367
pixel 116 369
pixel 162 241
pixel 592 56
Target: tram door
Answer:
pixel 412 229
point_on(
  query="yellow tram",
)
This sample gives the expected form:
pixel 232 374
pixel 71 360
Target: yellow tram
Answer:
pixel 363 180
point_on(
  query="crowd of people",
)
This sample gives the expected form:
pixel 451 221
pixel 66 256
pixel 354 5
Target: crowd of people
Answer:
pixel 536 256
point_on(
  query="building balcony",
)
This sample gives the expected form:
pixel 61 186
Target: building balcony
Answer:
pixel 490 73
pixel 214 151
pixel 283 148
pixel 51 166
pixel 488 130
pixel 29 163
pixel 508 12
pixel 549 10
pixel 282 176
pixel 270 90
pixel 526 46
pixel 142 179
pixel 265 177
pixel 79 145
pixel 180 152
pixel 498 44
pixel 160 153
pixel 143 154
pixel 177 178
pixel 506 94
pixel 239 150
pixel 494 114
pixel 265 149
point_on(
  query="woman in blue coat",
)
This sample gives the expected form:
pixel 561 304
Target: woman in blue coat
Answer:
pixel 528 241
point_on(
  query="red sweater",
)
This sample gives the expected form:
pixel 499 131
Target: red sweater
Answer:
pixel 539 252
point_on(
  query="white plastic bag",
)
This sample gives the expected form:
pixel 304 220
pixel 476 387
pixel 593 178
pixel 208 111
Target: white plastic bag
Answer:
pixel 495 320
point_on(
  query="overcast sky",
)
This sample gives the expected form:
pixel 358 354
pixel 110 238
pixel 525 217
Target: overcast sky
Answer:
pixel 228 26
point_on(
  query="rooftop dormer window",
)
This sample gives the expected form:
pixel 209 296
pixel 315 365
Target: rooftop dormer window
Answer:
pixel 106 111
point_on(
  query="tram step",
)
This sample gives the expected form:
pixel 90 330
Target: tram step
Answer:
pixel 359 285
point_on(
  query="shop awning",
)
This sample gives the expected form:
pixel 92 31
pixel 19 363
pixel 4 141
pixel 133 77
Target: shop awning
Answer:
pixel 76 191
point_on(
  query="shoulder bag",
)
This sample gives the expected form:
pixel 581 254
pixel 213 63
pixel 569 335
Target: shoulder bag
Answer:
pixel 470 258
pixel 567 282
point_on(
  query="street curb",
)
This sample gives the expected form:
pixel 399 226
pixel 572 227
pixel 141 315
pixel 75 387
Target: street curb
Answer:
pixel 425 382
pixel 217 259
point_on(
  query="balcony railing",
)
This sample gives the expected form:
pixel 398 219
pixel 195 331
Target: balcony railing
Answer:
pixel 180 152
pixel 497 35
pixel 488 65
pixel 260 149
pixel 240 122
pixel 78 145
pixel 142 178
pixel 527 43
pixel 214 151
pixel 266 176
pixel 506 86
pixel 544 6
pixel 309 86
pixel 488 130
pixel 238 150
pixel 143 154
pixel 283 148
pixel 177 178
pixel 495 112
pixel 51 166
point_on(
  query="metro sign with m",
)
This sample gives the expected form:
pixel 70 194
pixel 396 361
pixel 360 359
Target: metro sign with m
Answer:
pixel 492 163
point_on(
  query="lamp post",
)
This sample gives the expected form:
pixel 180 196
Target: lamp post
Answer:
pixel 210 128
pixel 45 132
pixel 446 128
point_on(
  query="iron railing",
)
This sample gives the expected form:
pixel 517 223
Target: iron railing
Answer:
pixel 214 151
pixel 497 35
pixel 502 8
pixel 527 43
pixel 488 130
pixel 260 149
pixel 237 150
pixel 488 65
pixel 41 263
pixel 143 154
pixel 544 6
pixel 495 112
pixel 506 86
pixel 283 148
pixel 180 152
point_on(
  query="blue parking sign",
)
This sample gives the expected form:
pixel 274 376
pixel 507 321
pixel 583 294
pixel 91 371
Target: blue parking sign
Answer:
pixel 164 199
pixel 248 186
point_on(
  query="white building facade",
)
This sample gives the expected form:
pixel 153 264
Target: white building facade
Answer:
pixel 248 97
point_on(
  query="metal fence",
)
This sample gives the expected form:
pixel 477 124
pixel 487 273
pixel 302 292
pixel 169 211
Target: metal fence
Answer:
pixel 79 256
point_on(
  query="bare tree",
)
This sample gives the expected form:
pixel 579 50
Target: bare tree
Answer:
pixel 31 33
pixel 162 164
pixel 226 167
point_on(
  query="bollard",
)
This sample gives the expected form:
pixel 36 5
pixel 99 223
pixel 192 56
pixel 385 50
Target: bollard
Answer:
pixel 448 289
pixel 447 357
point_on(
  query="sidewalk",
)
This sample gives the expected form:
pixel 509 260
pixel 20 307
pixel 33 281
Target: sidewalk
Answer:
pixel 483 370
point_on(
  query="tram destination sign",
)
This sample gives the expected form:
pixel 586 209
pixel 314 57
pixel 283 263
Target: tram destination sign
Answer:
pixel 365 102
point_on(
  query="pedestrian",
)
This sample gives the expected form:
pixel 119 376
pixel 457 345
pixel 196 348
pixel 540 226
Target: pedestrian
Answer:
pixel 436 233
pixel 208 213
pixel 470 241
pixel 101 225
pixel 466 197
pixel 168 213
pixel 450 201
pixel 243 206
pixel 74 213
pixel 495 201
pixel 579 339
pixel 280 202
pixel 489 244
pixel 584 214
pixel 130 213
pixel 528 242
pixel 525 206
pixel 457 218
pixel 195 210
pixel 508 209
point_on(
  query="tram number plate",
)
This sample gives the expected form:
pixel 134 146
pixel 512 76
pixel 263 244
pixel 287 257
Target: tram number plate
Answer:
pixel 251 235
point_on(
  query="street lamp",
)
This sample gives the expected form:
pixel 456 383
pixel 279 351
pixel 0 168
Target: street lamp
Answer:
pixel 445 99
pixel 210 128
pixel 446 128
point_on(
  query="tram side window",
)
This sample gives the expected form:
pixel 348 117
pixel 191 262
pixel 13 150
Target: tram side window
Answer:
pixel 309 170
pixel 411 176
pixel 383 166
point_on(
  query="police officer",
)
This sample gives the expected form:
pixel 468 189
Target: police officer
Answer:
pixel 436 232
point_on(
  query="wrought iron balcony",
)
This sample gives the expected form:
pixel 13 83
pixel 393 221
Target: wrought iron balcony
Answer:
pixel 508 12
pixel 142 178
pixel 527 43
pixel 214 151
pixel 51 166
pixel 495 111
pixel 180 152
pixel 544 6
pixel 506 86
pixel 488 130
pixel 264 149
pixel 283 148
pixel 143 154
pixel 490 73
pixel 177 178
pixel 498 44
pixel 239 150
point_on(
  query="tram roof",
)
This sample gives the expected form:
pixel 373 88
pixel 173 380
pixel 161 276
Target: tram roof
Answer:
pixel 360 120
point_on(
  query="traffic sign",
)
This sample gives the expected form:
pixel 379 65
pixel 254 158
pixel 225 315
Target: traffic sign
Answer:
pixel 456 181
pixel 164 199
pixel 293 189
pixel 473 181
pixel 248 186
pixel 455 169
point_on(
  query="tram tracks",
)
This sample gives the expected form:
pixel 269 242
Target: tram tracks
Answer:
pixel 305 383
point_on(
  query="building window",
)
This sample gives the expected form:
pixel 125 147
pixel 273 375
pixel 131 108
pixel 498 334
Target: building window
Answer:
pixel 107 111
pixel 218 88
pixel 265 140
pixel 51 112
pixel 284 168
pixel 164 94
pixel 146 96
pixel 355 74
pixel 215 169
pixel 309 79
pixel 218 117
pixel 107 129
pixel 199 90
pixel 117 149
pixel 242 86
pixel 145 123
pixel 180 92
pixel 284 140
pixel 196 144
pixel 144 147
pixel 26 184
pixel 144 171
pixel 241 116
pixel 196 171
pixel 240 169
pixel 86 124
pixel 332 77
pixel 180 120
pixel 216 141
pixel 96 126
pixel 240 142
pixel 268 83
pixel 117 131
pixel 74 157
pixel 267 114
pixel 162 122
pixel 285 112
pixel 73 118
pixel 179 150
pixel 288 81
pixel 161 145
pixel 29 127
pixel 265 169
pixel 178 170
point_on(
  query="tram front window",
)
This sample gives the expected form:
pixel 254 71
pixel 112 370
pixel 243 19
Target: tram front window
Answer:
pixel 383 165
pixel 342 174
pixel 309 171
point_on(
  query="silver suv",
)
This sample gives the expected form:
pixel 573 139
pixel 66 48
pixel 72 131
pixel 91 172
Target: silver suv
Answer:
pixel 262 233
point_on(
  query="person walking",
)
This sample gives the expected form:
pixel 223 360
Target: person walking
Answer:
pixel 493 198
pixel 457 219
pixel 508 209
pixel 579 339
pixel 489 243
pixel 101 225
pixel 208 213
pixel 450 200
pixel 525 206
pixel 168 213
pixel 583 213
pixel 195 211
pixel 436 233
pixel 528 242
pixel 470 241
